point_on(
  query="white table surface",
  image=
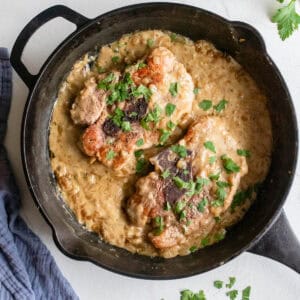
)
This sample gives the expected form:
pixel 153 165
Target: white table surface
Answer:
pixel 269 279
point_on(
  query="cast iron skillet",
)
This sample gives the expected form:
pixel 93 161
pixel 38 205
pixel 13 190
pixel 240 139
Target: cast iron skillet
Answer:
pixel 241 41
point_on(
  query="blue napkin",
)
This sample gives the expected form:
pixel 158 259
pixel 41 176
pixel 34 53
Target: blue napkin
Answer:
pixel 27 269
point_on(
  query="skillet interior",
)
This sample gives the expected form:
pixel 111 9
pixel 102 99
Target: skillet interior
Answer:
pixel 197 24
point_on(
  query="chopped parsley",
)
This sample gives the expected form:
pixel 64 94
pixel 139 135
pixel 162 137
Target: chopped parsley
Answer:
pixel 223 184
pixel 139 142
pixel 173 37
pixel 287 19
pixel 229 165
pixel 179 182
pixel 219 236
pixel 173 89
pixel 212 159
pixel 243 152
pixel 217 203
pixel 196 91
pixel 110 155
pixel 231 283
pixel 240 198
pixel 218 284
pixel 246 293
pixel 103 84
pixel 217 219
pixel 182 215
pixel 205 242
pixel 142 90
pixel 154 115
pixel 210 146
pixel 171 125
pixel 202 204
pixel 115 59
pixel 205 104
pixel 189 295
pixel 193 249
pixel 165 174
pixel 150 43
pixel 179 206
pixel 125 125
pixel 214 176
pixel 165 134
pixel 117 118
pixel 167 206
pixel 170 108
pixel 221 105
pixel 159 225
pixel 232 294
pixel 141 65
pixel 180 150
pixel 101 70
pixel 138 153
pixel 141 166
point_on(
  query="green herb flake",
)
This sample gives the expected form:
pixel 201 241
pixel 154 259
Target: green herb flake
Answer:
pixel 171 125
pixel 167 206
pixel 210 146
pixel 142 90
pixel 139 142
pixel 231 283
pixel 138 153
pixel 217 203
pixel 141 166
pixel 189 295
pixel 182 215
pixel 212 159
pixel 220 106
pixel 110 155
pixel 165 174
pixel 287 20
pixel 223 184
pixel 219 236
pixel 115 59
pixel 205 104
pixel 141 65
pixel 180 150
pixel 214 176
pixel 101 70
pixel 202 204
pixel 133 114
pixel 217 219
pixel 218 284
pixel 179 206
pixel 229 165
pixel 196 91
pixel 173 89
pixel 170 108
pixel 179 182
pixel 150 43
pixel 246 293
pixel 243 152
pixel 240 198
pixel 159 225
pixel 205 241
pixel 232 294
pixel 193 249
pixel 173 37
pixel 165 134
pixel 126 126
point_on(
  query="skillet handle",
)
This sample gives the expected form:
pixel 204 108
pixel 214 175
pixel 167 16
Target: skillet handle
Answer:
pixel 28 31
pixel 281 244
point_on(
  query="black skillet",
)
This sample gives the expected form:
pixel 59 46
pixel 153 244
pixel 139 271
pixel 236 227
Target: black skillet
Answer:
pixel 239 40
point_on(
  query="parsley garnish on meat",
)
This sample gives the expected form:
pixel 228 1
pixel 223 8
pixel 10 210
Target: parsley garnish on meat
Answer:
pixel 180 150
pixel 205 104
pixel 214 176
pixel 218 284
pixel 126 126
pixel 165 174
pixel 212 159
pixel 221 105
pixel 171 125
pixel 115 59
pixel 139 142
pixel 118 119
pixel 150 43
pixel 141 166
pixel 287 20
pixel 101 70
pixel 240 198
pixel 210 146
pixel 193 249
pixel 243 152
pixel 103 84
pixel 205 241
pixel 110 155
pixel 229 165
pixel 173 89
pixel 167 206
pixel 202 204
pixel 138 153
pixel 170 108
pixel 173 37
pixel 196 91
pixel 179 206
pixel 159 225
pixel 165 134
pixel 142 90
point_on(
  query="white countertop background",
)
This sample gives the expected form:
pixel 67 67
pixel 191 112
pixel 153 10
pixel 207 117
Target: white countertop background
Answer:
pixel 269 279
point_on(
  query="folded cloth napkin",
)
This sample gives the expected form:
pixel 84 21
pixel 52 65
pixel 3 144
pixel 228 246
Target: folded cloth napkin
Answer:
pixel 27 269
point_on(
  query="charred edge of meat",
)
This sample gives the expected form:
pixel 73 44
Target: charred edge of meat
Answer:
pixel 110 128
pixel 136 110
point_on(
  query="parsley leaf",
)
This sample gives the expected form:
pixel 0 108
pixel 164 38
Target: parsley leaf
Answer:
pixel 159 225
pixel 205 241
pixel 229 165
pixel 240 198
pixel 126 126
pixel 218 284
pixel 179 206
pixel 193 249
pixel 246 293
pixel 205 104
pixel 173 89
pixel 173 37
pixel 142 90
pixel 210 146
pixel 232 281
pixel 171 125
pixel 179 182
pixel 196 91
pixel 150 43
pixel 243 152
pixel 287 20
pixel 223 184
pixel 139 142
pixel 179 150
pixel 189 295
pixel 212 159
pixel 115 59
pixel 221 105
pixel 138 153
pixel 165 134
pixel 165 174
pixel 214 176
pixel 141 166
pixel 167 206
pixel 110 155
pixel 201 205
pixel 232 294
pixel 170 109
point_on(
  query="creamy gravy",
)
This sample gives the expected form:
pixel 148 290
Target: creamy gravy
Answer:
pixel 91 190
